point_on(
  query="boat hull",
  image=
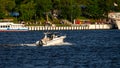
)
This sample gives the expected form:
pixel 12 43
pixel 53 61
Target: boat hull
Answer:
pixel 12 30
pixel 55 41
pixel 9 30
pixel 10 26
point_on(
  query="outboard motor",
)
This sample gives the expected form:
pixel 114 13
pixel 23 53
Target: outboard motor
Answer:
pixel 39 43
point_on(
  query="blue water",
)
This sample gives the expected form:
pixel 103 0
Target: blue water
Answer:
pixel 89 49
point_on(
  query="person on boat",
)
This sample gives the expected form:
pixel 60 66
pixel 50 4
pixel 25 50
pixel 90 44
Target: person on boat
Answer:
pixel 53 36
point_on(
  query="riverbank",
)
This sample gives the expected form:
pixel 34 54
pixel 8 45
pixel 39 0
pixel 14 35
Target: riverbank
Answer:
pixel 80 27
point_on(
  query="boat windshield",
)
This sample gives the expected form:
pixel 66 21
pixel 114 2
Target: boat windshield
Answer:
pixel 51 35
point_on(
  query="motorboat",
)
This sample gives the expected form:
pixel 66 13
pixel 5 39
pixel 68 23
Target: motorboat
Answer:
pixel 51 39
pixel 10 26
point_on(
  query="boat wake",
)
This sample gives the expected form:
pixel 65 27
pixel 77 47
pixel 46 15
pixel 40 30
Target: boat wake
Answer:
pixel 61 44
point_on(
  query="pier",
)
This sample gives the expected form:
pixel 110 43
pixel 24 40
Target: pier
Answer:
pixel 80 27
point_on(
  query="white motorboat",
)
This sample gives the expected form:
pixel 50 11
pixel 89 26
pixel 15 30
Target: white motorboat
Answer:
pixel 10 26
pixel 51 39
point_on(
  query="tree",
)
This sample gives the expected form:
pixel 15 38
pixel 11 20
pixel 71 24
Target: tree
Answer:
pixel 56 4
pixel 6 6
pixel 70 9
pixel 43 7
pixel 27 11
pixel 2 15
pixel 67 9
pixel 93 10
pixel 76 10
pixel 10 5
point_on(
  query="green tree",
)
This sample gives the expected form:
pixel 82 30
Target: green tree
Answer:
pixel 56 4
pixel 76 10
pixel 6 6
pixel 27 11
pixel 2 14
pixel 10 5
pixel 43 7
pixel 70 9
pixel 93 10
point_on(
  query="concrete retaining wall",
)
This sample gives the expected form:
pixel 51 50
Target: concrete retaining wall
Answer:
pixel 82 27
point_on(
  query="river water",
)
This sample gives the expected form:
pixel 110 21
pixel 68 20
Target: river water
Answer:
pixel 84 49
